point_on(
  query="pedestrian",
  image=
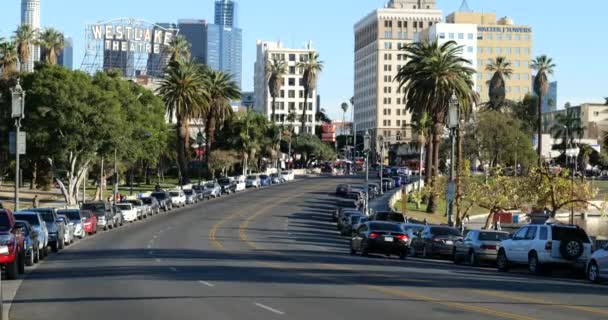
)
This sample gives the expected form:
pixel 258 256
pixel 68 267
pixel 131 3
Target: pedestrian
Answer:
pixel 36 202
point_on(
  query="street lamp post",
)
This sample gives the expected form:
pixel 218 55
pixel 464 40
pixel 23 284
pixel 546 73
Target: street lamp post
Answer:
pixel 18 113
pixel 381 140
pixel 200 141
pixel 366 148
pixel 453 123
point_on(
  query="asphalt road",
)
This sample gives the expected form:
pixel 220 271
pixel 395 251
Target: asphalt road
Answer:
pixel 274 254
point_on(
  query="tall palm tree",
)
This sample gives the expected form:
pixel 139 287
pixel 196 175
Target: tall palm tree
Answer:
pixel 25 37
pixel 178 48
pixel 422 127
pixel 497 85
pixel 567 127
pixel 8 58
pixel 311 68
pixel 221 89
pixel 52 42
pixel 544 67
pixel 433 74
pixel 182 89
pixel 275 70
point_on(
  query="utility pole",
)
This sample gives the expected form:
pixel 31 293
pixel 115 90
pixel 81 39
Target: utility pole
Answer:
pixel 17 113
pixel 453 124
pixel 115 175
pixel 352 102
pixel 366 149
pixel 381 139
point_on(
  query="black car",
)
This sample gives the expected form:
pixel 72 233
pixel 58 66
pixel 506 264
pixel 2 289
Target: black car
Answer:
pixel 388 216
pixel 380 237
pixel 228 185
pixel 152 203
pixel 104 213
pixel 55 228
pixel 342 190
pixel 164 200
pixel 435 241
pixel 30 242
pixel 199 190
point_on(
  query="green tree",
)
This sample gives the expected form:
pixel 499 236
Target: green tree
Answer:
pixel 8 58
pixel 544 66
pixel 183 90
pixel 567 127
pixel 497 88
pixel 432 75
pixel 221 161
pixel 178 49
pixel 275 70
pixel 51 41
pixel 25 37
pixel 527 112
pixel 311 68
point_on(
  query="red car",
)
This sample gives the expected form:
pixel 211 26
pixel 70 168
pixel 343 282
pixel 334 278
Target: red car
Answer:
pixel 90 221
pixel 12 253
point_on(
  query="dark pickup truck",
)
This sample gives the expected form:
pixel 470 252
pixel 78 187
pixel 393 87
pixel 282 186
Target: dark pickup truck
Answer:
pixel 104 213
pixel 56 228
pixel 12 252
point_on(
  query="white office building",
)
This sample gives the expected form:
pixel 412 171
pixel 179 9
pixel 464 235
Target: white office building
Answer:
pixel 30 15
pixel 291 98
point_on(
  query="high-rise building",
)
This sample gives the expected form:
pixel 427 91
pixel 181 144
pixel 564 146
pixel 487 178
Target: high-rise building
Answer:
pixel 549 103
pixel 500 38
pixel 66 57
pixel 226 13
pixel 379 36
pixel 30 15
pixel 291 98
pixel 195 31
pixel 225 40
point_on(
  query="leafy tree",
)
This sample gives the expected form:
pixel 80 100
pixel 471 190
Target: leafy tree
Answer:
pixel 311 68
pixel 544 66
pixel 432 75
pixel 51 41
pixel 221 161
pixel 25 37
pixel 8 58
pixel 497 90
pixel 275 70
pixel 527 113
pixel 566 128
pixel 311 148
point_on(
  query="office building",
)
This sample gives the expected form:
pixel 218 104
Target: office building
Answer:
pixel 291 98
pixel 549 103
pixel 66 57
pixel 195 31
pixel 225 40
pixel 30 15
pixel 379 36
pixel 226 13
pixel 500 38
pixel 593 117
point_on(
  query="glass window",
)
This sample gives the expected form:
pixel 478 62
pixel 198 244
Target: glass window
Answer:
pixel 493 236
pixel 527 37
pixel 516 76
pixel 516 63
pixel 508 51
pixel 291 94
pixel 531 234
pixel 292 57
pixel 508 37
pixel 517 50
pixel 517 37
pixel 292 70
pixel 470 36
pixel 442 35
pixel 480 62
pixel 526 76
pixel 292 82
pixel 470 49
pixel 489 50
pixel 489 36
pixel 516 89
pixel 499 36
pixel 479 50
pixel 488 75
pixel 526 50
pixel 451 35
pixel 461 36
pixel 521 234
pixel 498 50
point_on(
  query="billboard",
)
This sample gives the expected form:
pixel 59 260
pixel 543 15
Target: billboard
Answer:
pixel 329 132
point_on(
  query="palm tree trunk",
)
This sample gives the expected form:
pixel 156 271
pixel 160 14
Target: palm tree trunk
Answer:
pixel 274 108
pixel 437 130
pixel 181 153
pixel 428 171
pixel 540 129
pixel 459 169
pixel 210 130
pixel 303 120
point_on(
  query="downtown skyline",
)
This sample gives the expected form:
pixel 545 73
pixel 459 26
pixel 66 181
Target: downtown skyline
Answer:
pixel 335 44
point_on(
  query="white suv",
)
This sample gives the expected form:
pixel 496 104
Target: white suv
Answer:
pixel 178 198
pixel 539 246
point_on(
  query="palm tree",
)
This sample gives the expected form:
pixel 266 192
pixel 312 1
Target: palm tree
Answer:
pixel 433 74
pixel 8 58
pixel 25 37
pixel 178 49
pixel 275 70
pixel 566 128
pixel 52 42
pixel 221 89
pixel 182 89
pixel 311 68
pixel 544 66
pixel 497 91
pixel 422 127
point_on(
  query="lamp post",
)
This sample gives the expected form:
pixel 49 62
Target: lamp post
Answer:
pixel 352 102
pixel 200 140
pixel 17 113
pixel 453 123
pixel 381 141
pixel 366 149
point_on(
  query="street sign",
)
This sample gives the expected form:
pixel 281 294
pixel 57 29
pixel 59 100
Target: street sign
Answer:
pixel 12 142
pixel 451 191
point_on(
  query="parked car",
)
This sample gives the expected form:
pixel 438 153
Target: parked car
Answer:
pixel 69 229
pixel 191 197
pixel 265 180
pixel 479 246
pixel 277 179
pixel 75 219
pixel 346 215
pixel 348 228
pixel 379 237
pixel 212 190
pixel 435 241
pixel 342 190
pixel 178 198
pixel 241 185
pixel 388 183
pixel 540 245
pixel 129 213
pixel 31 243
pixel 411 229
pixel 12 246
pixel 140 207
pixel 253 181
pixel 200 191
pixel 164 200
pixel 38 225
pixel 388 216
pixel 55 228
pixel 288 175
pixel 89 222
pixel 228 185
pixel 103 212
pixel 152 203
pixel 597 268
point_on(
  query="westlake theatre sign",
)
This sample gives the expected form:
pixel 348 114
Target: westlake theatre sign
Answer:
pixel 131 36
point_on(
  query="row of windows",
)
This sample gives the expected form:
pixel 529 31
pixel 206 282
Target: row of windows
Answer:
pixel 388 111
pixel 509 89
pixel 399 123
pixel 292 106
pixel 403 24
pixel 461 36
pixel 514 63
pixel 398 135
pixel 292 93
pixel 500 50
pixel 507 36
pixel 515 76
pixel 291 56
pixel 283 118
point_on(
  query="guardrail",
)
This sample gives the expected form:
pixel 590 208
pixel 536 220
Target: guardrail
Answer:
pixel 408 188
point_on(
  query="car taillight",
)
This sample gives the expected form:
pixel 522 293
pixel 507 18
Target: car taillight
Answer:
pixel 488 247
pixel 549 246
pixel 402 237
pixel 373 235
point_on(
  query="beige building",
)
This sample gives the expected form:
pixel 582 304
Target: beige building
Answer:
pixel 593 118
pixel 496 38
pixel 379 36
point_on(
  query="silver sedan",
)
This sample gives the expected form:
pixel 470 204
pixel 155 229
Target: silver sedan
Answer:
pixel 479 245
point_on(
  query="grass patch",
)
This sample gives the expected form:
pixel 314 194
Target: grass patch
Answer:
pixel 437 218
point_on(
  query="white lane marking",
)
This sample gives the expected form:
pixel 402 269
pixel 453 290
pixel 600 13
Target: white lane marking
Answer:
pixel 149 246
pixel 173 269
pixel 158 260
pixel 269 309
pixel 208 284
pixel 154 237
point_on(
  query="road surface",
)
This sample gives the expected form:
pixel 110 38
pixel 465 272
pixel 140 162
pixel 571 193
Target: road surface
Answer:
pixel 274 254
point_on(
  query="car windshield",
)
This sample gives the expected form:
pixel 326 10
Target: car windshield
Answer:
pixel 32 219
pixel 493 236
pixel 385 227
pixel 263 177
pixel 147 200
pixel 188 192
pixel 47 216
pixel 135 203
pixel 445 231
pixel 71 214
pixel 209 186
pixel 252 177
pixel 223 181
pixel 160 195
pixel 4 221
pixel 124 206
pixel 174 194
pixel 355 219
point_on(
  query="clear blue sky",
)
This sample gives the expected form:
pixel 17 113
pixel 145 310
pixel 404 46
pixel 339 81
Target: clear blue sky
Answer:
pixel 574 35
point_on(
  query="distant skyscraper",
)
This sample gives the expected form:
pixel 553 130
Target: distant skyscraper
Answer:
pixel 66 57
pixel 30 15
pixel 226 13
pixel 195 31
